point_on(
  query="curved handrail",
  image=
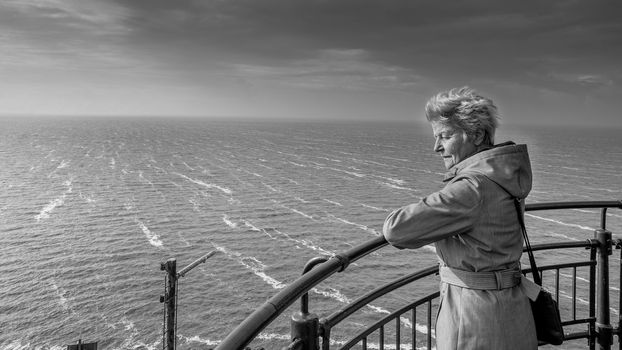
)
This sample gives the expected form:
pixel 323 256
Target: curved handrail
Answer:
pixel 246 331
pixel 573 205
pixel 263 315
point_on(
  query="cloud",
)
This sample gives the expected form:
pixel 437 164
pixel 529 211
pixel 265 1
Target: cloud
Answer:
pixel 348 69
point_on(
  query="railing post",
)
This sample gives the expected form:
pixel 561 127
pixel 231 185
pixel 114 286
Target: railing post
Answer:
pixel 604 331
pixel 304 325
pixel 169 298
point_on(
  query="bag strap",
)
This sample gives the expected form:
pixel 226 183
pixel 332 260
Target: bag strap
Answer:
pixel 534 268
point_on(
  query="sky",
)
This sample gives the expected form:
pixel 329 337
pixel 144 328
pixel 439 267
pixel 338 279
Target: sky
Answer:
pixel 548 62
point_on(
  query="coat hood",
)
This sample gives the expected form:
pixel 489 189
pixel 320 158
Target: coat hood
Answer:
pixel 506 164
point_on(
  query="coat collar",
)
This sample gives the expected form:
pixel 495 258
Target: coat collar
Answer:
pixel 453 171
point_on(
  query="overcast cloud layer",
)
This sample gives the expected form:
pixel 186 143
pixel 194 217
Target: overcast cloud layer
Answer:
pixel 543 61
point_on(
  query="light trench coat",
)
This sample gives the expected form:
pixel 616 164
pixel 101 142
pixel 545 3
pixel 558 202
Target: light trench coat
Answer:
pixel 473 223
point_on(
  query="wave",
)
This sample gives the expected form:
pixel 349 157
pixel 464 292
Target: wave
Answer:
pixel 199 182
pixel 225 219
pixel 587 228
pixel 253 264
pixel 188 166
pixel 294 210
pixel 154 240
pixel 372 207
pixel 391 185
pixel 256 229
pixel 333 202
pixel 362 227
pixel 270 187
pixel 57 202
pixel 63 164
pixel 62 300
pixel 197 339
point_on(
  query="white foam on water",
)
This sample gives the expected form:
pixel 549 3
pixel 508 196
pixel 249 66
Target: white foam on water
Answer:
pixel 226 220
pixel 197 339
pixel 331 292
pixel 175 184
pixel 142 178
pixel 372 207
pixel 306 243
pixel 397 187
pixel 299 212
pixel 362 227
pixel 587 228
pixel 131 342
pixel 392 180
pixel 297 164
pixel 256 229
pixel 253 264
pixel 270 187
pixel 301 200
pixel 112 163
pixel 188 166
pixel 154 240
pixel 62 300
pixel 86 198
pixel 195 205
pixel 273 336
pixel 333 202
pixel 578 278
pixel 63 164
pixel 53 204
pixel 265 166
pixel 614 215
pixel 294 210
pixel 201 183
pixel 405 321
pixel 290 180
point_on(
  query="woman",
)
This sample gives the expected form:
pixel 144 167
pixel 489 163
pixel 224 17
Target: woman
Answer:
pixel 474 225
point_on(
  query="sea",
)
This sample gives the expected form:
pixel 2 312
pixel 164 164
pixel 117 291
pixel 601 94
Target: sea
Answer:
pixel 91 206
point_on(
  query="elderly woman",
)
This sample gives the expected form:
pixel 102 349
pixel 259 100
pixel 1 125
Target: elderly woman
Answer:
pixel 473 223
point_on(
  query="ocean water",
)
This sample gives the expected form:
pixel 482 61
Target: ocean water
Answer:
pixel 90 207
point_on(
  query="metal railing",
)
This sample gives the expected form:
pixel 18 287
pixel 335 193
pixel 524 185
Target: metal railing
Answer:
pixel 307 329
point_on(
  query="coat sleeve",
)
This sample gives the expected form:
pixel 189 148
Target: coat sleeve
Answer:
pixel 442 214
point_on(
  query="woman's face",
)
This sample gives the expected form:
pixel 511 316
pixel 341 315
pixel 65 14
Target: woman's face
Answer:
pixel 452 143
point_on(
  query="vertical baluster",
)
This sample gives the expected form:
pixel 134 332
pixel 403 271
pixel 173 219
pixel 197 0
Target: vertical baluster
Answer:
pixel 557 285
pixel 574 293
pixel 397 332
pixel 365 343
pixel 430 325
pixel 381 338
pixel 413 331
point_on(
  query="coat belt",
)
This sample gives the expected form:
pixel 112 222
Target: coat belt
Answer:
pixel 481 280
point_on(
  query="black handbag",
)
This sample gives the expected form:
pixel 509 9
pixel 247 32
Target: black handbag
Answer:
pixel 545 309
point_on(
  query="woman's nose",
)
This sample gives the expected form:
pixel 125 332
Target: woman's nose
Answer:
pixel 437 146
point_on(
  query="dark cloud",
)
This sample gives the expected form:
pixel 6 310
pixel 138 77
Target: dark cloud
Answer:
pixel 517 50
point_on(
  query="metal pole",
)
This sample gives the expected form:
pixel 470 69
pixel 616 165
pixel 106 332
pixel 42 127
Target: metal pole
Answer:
pixel 304 326
pixel 200 260
pixel 603 326
pixel 169 298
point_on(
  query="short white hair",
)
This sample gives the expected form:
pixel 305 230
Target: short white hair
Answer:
pixel 465 109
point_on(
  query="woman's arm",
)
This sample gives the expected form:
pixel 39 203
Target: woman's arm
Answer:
pixel 442 214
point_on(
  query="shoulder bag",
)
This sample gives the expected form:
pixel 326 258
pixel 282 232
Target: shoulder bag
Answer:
pixel 545 309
